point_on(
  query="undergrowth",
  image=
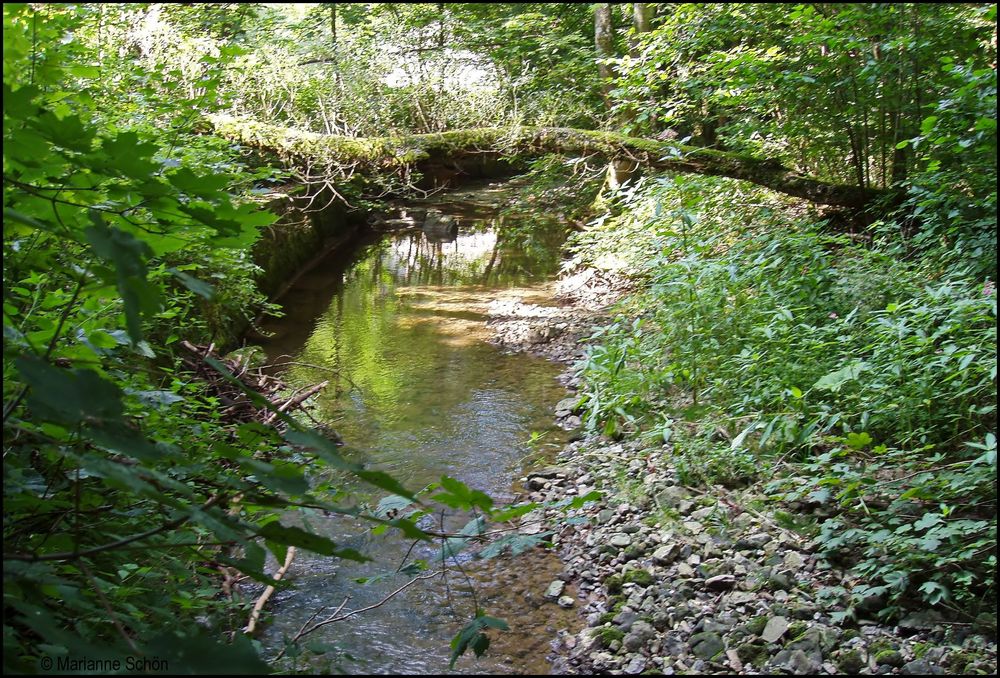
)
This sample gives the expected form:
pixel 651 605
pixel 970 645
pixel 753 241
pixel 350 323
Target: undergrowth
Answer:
pixel 764 347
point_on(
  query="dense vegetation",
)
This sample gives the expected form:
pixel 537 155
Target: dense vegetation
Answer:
pixel 847 358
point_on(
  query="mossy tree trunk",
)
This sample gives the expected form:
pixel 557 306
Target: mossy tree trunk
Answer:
pixel 388 154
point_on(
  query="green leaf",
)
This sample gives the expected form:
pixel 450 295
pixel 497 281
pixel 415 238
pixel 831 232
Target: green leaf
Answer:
pixel 200 288
pixel 295 536
pixel 858 441
pixel 834 381
pixel 471 636
pixel 69 396
pixel 196 651
pixel 128 256
pixel 935 592
pixel 392 506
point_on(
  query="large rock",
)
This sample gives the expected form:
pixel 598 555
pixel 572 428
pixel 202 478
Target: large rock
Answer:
pixel 640 634
pixel 796 661
pixel 720 582
pixel 439 227
pixel 566 407
pixel 620 540
pixel 635 666
pixel 920 667
pixel 671 497
pixel 707 645
pixel 774 629
pixel 554 590
pixel 667 554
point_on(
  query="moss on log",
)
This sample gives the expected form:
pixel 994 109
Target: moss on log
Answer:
pixel 401 152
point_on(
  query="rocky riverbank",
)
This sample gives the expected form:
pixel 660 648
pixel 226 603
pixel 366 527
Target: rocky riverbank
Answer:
pixel 673 579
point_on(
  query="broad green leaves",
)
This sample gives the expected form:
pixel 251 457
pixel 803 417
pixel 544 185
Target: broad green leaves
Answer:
pixel 127 254
pixel 472 636
pixel 836 380
pixel 69 396
pixel 295 536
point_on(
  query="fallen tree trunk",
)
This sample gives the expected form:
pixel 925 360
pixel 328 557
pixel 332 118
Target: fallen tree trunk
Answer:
pixel 365 155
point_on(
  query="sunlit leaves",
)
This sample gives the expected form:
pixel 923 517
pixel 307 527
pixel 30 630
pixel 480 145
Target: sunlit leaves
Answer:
pixel 457 494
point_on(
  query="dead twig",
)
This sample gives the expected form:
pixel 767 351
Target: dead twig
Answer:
pixel 268 592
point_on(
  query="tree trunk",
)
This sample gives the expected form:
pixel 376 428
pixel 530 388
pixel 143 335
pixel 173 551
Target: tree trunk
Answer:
pixel 383 154
pixel 605 42
pixel 333 29
pixel 642 16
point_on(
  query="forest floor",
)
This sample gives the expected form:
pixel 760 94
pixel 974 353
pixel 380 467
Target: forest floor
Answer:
pixel 674 579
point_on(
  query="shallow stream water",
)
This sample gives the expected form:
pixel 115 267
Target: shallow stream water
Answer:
pixel 397 327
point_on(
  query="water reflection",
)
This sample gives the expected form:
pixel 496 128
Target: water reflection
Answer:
pixel 419 394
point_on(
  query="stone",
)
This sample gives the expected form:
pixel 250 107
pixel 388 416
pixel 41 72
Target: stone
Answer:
pixel 814 641
pixel 741 597
pixel 665 555
pixel 624 619
pixel 793 561
pixel 779 581
pixel 671 497
pixel 920 667
pixel 693 526
pixel 796 661
pixel 640 634
pixel 551 472
pixel 566 406
pixel 774 629
pixel 752 653
pixel 620 540
pixel 707 645
pixel 890 658
pixel 703 513
pixel 720 582
pixel 752 542
pixel 536 483
pixel 755 626
pixel 850 662
pixel 635 666
pixel 531 523
pixel 565 602
pixel 554 589
pixel 734 660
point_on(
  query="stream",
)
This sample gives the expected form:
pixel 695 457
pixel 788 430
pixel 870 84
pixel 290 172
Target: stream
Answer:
pixel 419 393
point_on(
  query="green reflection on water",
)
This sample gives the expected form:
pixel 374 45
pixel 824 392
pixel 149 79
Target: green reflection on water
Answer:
pixel 420 394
